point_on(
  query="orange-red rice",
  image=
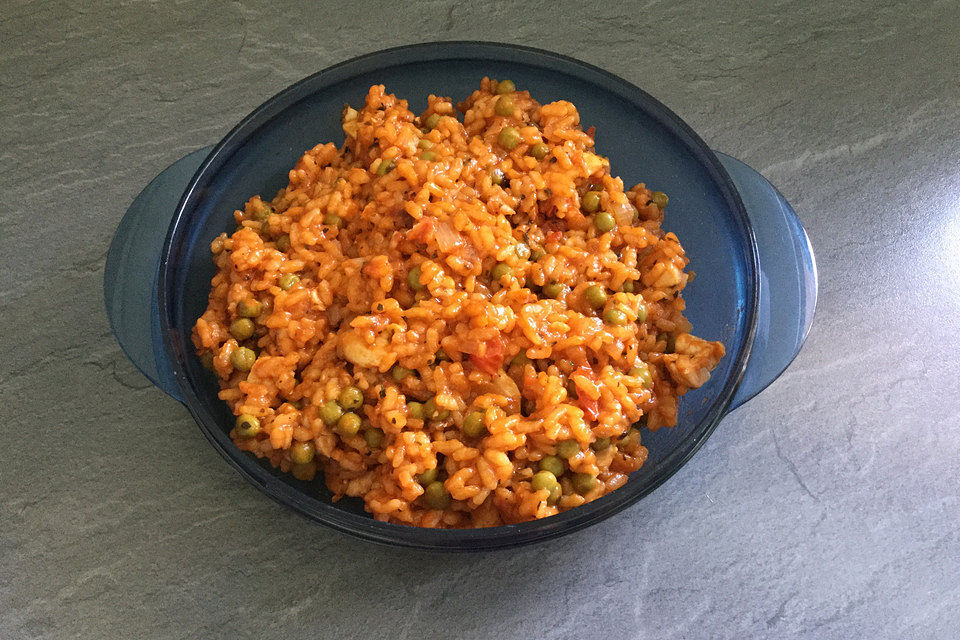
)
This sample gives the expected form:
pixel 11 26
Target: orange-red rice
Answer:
pixel 353 315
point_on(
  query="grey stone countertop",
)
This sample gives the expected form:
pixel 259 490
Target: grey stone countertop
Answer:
pixel 827 507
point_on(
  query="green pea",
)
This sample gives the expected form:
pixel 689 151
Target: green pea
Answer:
pixel 425 144
pixel 428 156
pixel 399 373
pixel 287 281
pixel 539 150
pixel 600 444
pixel 441 356
pixel 497 177
pixel 330 412
pixel 415 410
pixel 247 425
pixel 413 279
pixel 628 287
pixel 584 483
pixel 596 296
pixel 642 372
pixel 473 424
pixel 542 480
pixel 283 242
pixel 432 121
pixel 568 448
pixel 504 106
pixel 500 270
pixel 616 317
pixel 506 86
pixel 553 464
pixel 263 212
pixel 553 290
pixel 440 414
pixel 242 328
pixel 509 138
pixel 333 220
pixel 604 222
pixel 385 167
pixel 520 359
pixel 373 438
pixel 249 308
pixel 350 398
pixel 243 359
pixel 435 495
pixel 428 476
pixel 522 250
pixel 207 361
pixel 430 411
pixel 545 480
pixel 630 439
pixel 590 201
pixel 536 254
pixel 302 452
pixel 660 198
pixel 349 424
pixel 641 314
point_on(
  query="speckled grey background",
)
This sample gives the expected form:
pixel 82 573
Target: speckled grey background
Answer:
pixel 827 507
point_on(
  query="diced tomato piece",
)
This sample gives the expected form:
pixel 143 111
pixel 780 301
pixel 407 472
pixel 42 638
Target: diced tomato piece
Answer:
pixel 590 406
pixel 492 359
pixel 422 231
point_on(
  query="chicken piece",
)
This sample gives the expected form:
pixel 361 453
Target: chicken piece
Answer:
pixel 664 274
pixel 348 120
pixel 693 360
pixel 355 349
pixel 594 163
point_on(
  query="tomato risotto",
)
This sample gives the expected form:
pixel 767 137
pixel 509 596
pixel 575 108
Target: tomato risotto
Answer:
pixel 463 320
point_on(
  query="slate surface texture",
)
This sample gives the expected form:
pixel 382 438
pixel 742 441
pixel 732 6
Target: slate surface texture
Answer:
pixel 827 507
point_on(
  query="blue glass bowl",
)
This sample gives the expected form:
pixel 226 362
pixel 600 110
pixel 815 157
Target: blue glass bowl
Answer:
pixel 755 288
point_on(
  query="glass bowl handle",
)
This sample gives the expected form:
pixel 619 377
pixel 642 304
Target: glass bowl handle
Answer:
pixel 788 279
pixel 130 273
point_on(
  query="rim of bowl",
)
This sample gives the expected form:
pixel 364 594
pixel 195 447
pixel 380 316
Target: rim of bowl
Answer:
pixel 504 536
